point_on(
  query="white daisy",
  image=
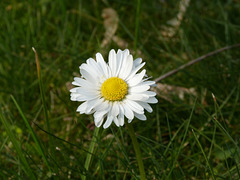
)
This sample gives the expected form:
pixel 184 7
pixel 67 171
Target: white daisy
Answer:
pixel 114 90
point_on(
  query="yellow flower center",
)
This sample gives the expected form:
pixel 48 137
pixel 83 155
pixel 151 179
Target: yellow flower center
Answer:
pixel 114 89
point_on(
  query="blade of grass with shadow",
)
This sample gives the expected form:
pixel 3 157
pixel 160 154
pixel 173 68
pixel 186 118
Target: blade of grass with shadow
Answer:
pixel 183 141
pixel 51 144
pixel 205 157
pixel 25 165
pixel 34 136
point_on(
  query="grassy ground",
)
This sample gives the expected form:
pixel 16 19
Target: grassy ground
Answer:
pixel 191 137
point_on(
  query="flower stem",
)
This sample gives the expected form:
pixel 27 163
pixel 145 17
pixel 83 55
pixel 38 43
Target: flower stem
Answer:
pixel 137 151
pixel 90 151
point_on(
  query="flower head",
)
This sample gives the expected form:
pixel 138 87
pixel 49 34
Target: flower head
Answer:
pixel 113 90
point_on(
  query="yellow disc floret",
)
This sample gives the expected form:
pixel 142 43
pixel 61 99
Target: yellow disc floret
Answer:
pixel 114 89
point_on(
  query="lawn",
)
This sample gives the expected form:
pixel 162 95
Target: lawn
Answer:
pixel 194 129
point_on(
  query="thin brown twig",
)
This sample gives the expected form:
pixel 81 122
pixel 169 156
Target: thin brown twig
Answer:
pixel 195 61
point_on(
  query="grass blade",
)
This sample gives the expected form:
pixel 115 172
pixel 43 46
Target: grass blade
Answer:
pixel 137 25
pixel 91 149
pixel 44 105
pixel 200 146
pixel 26 167
pixel 34 136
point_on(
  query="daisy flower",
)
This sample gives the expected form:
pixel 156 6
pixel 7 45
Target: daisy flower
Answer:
pixel 114 90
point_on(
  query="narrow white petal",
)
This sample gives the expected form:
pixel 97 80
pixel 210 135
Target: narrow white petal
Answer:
pixel 135 106
pixel 119 51
pixel 152 100
pixel 81 82
pixel 149 83
pixel 99 102
pixel 137 78
pixel 102 106
pixel 140 116
pixel 98 122
pixel 87 91
pixel 91 62
pixel 85 98
pixel 119 62
pixel 137 61
pixel 128 67
pixel 150 93
pixel 128 112
pixel 87 76
pixel 112 60
pixel 121 115
pixel 121 119
pixel 138 89
pixel 74 90
pixel 82 107
pixel 137 97
pixel 124 63
pixel 146 106
pixel 115 109
pixel 101 114
pixel 90 105
pixel 74 96
pixel 134 71
pixel 126 52
pixel 130 120
pixel 102 64
pixel 108 121
pixel 116 121
pixel 91 71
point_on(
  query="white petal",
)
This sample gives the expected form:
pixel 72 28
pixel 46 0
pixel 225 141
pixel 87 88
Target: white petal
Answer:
pixel 119 51
pixel 152 100
pixel 149 83
pixel 127 111
pixel 137 97
pixel 102 64
pixel 74 89
pixel 128 67
pixel 112 60
pixel 140 116
pixel 137 61
pixel 90 105
pixel 115 109
pixel 115 119
pixel 91 62
pixel 101 114
pixel 82 108
pixel 121 116
pixel 104 105
pixel 146 106
pixel 149 93
pixel 124 64
pixel 108 121
pixel 135 106
pixel 130 120
pixel 85 98
pixel 137 78
pixel 134 71
pixel 126 52
pixel 91 71
pixel 98 122
pixel 119 62
pixel 87 92
pixel 87 76
pixel 81 82
pixel 74 96
pixel 138 89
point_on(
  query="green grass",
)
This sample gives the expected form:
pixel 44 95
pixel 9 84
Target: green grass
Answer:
pixel 42 136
